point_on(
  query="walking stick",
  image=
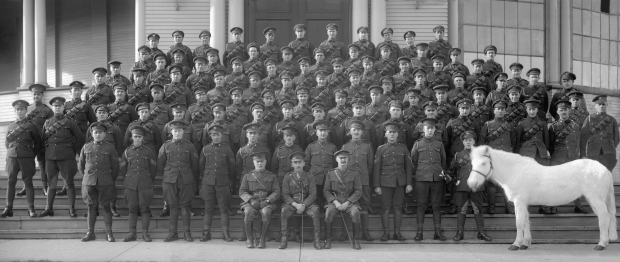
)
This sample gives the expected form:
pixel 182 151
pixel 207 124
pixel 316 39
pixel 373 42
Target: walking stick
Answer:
pixel 302 218
pixel 344 223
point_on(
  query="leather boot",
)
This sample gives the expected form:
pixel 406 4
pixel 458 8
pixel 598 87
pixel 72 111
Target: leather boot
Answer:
pixel 62 192
pixel 316 227
pixel 482 235
pixel 460 227
pixel 243 236
pixel 187 235
pixel 249 242
pixel 8 212
pixel 49 209
pixel 343 234
pixel 21 192
pixel 186 224
pixel 385 224
pixel 438 234
pixel 225 222
pixel 328 235
pixel 92 218
pixel 283 231
pixel 553 210
pixel 72 212
pixel 207 219
pixel 420 223
pixel 71 197
pixel 31 212
pixel 365 234
pixel 146 222
pixel 107 220
pixel 263 234
pixel 398 219
pixel 166 211
pixel 357 233
pixel 581 209
pixel 173 223
pixel 133 222
pixel 131 237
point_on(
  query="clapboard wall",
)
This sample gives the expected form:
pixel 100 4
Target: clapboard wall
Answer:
pixel 418 16
pixel 165 16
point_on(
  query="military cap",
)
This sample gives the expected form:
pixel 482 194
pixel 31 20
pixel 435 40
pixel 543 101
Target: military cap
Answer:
pixel 288 130
pixel 600 99
pixel 138 71
pixel 478 89
pixel 255 74
pixel 367 57
pixel 200 57
pixel 20 104
pixel 252 127
pixel 216 129
pixel 375 89
pixel 286 74
pixel 429 122
pixel 153 35
pixel 337 60
pixel 331 26
pixel 568 76
pixel 533 71
pixel 268 30
pixel 391 126
pixel 407 59
pixel 408 34
pixel 358 102
pixel 236 59
pixel 267 92
pixel 250 45
pixel 259 155
pixel 531 102
pixel 142 105
pixel 396 103
pixel 354 46
pixel 318 106
pixel 357 124
pixel 441 87
pixel 318 50
pixel 119 85
pixel 514 88
pixel 175 66
pixel 500 74
pixel 563 104
pixel 321 124
pixel 455 50
pixel 287 103
pixel 213 51
pixel 500 103
pixel 477 61
pixel 490 48
pixel 422 46
pixel 516 64
pixel 285 48
pixel 439 58
pixel 439 29
pixel 100 70
pixel 177 124
pixel 58 99
pixel 219 72
pixel 115 62
pixel 102 107
pixel 137 130
pixel 302 90
pixel 218 107
pixel 342 152
pixel 458 74
pixel 235 90
pixel 178 50
pixel 237 29
pixel 575 94
pixel 415 91
pixel 270 61
pixel 180 33
pixel 468 134
pixel 98 126
pixel 299 156
pixel 430 104
pixel 385 46
pixel 156 86
pixel 145 48
pixel 419 71
pixel 341 92
pixel 303 59
pixel 320 73
pixel 299 26
pixel 465 102
pixel 355 71
pixel 158 55
pixel 257 105
pixel 362 28
pixel 387 30
pixel 387 78
pixel 204 32
pixel 76 84
pixel 178 106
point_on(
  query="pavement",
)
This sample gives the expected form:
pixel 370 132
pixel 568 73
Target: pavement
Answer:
pixel 217 250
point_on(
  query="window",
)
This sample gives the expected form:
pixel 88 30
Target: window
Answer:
pixel 605 6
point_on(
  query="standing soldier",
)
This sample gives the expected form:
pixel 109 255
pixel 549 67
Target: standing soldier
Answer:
pixel 287 61
pixel 302 111
pixel 410 51
pixel 160 75
pixel 440 134
pixel 343 189
pixel 305 76
pixel 318 111
pixel 439 46
pixel 199 113
pixel 396 117
pixel 161 114
pixel 23 143
pixel 114 75
pixel 445 111
pixel 139 88
pixel 414 113
pixel 368 78
pixel 260 192
pixel 515 112
pixel 178 59
pixel 270 49
pixel 176 88
pixel 501 89
pixel 287 112
pixel 177 163
pixel 252 93
pixel 422 61
pixel 338 79
pixel 145 62
pixel 62 139
pixel 217 165
pixel 99 88
pixel 254 63
pixel 236 48
pixel 237 77
pixel 237 115
pixel 515 70
pixel 490 67
pixel 386 65
pixel 205 39
pixel 271 80
pixel 479 77
pixel 599 127
pixel 152 135
pixel 178 37
pixel 363 43
pixel 83 114
pixel 332 47
pixel 355 59
pixel 368 134
pixel 455 65
pixel 377 111
pixel 272 114
pixel 579 112
pixel 99 163
pixel 219 94
pixel 138 166
pixel 321 64
pixel 340 112
pixel 423 85
pixel 394 49
pixel 404 79
pixel 189 133
pixel 535 91
pixel 213 55
pixel 298 196
pixel 122 112
pixel 219 118
pixel 301 46
pixel 480 112
pixel 567 81
pixel 438 76
pixel 153 40
pixel 200 77
pixel 244 155
pixel 264 139
pixel 319 156
pixel 279 163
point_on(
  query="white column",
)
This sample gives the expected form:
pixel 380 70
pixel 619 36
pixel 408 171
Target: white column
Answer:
pixel 140 28
pixel 236 15
pixel 217 24
pixel 377 20
pixel 40 52
pixel 552 61
pixel 28 44
pixel 566 35
pixel 359 17
pixel 453 22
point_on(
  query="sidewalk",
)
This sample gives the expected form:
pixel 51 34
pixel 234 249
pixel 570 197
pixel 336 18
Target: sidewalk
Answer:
pixel 217 250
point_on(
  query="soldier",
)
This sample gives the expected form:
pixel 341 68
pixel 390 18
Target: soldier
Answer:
pixel 404 79
pixel 237 78
pixel 445 111
pixel 201 77
pixel 271 80
pixel 599 127
pixel 300 47
pixel 337 80
pixel 99 163
pixel 260 192
pixel 369 133
pixel 376 111
pixel 480 78
pixel 138 166
pixel 501 135
pixel 515 70
pixel 321 64
pixel 160 75
pixel 287 60
pixel 319 156
pixel 23 143
pixel 114 75
pixel 257 110
pixel 578 111
pixel 490 65
pixel 340 112
pixel 252 93
pixel 83 114
pixel 422 60
pixel 145 62
pixel 205 39
pixel 236 48
pixel 515 112
pixel 365 47
pixel 287 112
pixel 305 77
pixel 255 62
pixel 177 163
pixel 219 118
pixel 332 46
pixel 244 158
pixel 355 59
pixel 439 46
pixel 318 111
pixel 238 115
pixel 199 113
pixel 298 196
pixel 414 112
pixel 501 89
pixel 217 165
pixel 178 37
pixel 567 81
pixel 302 111
pixel 343 189
pixel 99 88
pixel 219 94
pixel 480 112
pixel 459 170
pixel 139 88
pixel 429 161
pixel 176 88
pixel 440 134
pixel 161 114
pixel 394 49
pixel 272 114
pixel 213 55
pixel 122 112
pixel 189 133
pixel 455 65
pixel 269 49
pixel 369 77
pixel 279 163
pixel 410 51
pixel 153 40
pixel 564 136
pixel 152 136
pixel 438 76
pixel 422 84
pixel 535 91
pixel 386 65
pixel 396 117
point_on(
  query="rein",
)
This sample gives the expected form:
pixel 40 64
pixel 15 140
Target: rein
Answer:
pixel 486 176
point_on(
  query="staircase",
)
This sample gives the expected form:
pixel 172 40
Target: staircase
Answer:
pixel 564 227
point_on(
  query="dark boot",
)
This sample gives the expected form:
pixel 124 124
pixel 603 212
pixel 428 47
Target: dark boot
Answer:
pixel 8 212
pixel 186 224
pixel 62 192
pixel 49 209
pixel 553 210
pixel 372 211
pixel 146 222
pixel 283 231
pixel 107 219
pixel 72 212
pixel 357 233
pixel 187 235
pixel 438 234
pixel 225 222
pixel 581 209
pixel 173 223
pixel 131 237
pixel 482 235
pixel 71 196
pixel 365 234
pixel 420 223
pixel 398 219
pixel 328 235
pixel 491 210
pixel 166 211
pixel 543 210
pixel 206 235
pixel 133 222
pixel 263 234
pixel 249 242
pixel 453 210
pixel 92 218
pixel 316 227
pixel 385 224
pixel 31 212
pixel 461 227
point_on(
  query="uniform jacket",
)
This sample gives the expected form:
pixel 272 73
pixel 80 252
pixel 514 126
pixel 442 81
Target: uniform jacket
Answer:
pixel 217 165
pixel 164 117
pixel 493 67
pixel 219 93
pixel 561 94
pixel 239 120
pixel 299 188
pixel 346 185
pixel 361 159
pixel 429 160
pixel 319 159
pixel 538 143
pixel 188 59
pixel 367 48
pixel 440 133
pixel 113 79
pixel 603 142
pixel 455 127
pixel 139 166
pixel 160 76
pixel 539 93
pixel 201 78
pixel 395 53
pixel 339 49
pixel 277 137
pixel 44 113
pixel 369 134
pixel 564 136
pixel 404 134
pixel 452 68
pixel 113 136
pixel 479 79
pixel 227 134
pixel 229 49
pixel 199 114
pixel 186 97
pixel 99 164
pixel 392 167
pixel 311 137
pixel 280 163
pixel 288 66
pixel 134 89
pixel 244 162
pixel 303 47
pixel 439 47
pixel 127 116
pixel 178 159
pixel 259 186
pixel 27 143
pixel 152 138
pixel 264 136
pixel 65 142
pixel 84 117
pixel 460 168
pixel 275 51
pixel 506 137
pixel 240 79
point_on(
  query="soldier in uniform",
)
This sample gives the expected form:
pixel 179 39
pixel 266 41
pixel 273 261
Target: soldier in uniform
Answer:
pixel 599 135
pixel 177 88
pixel 99 162
pixel 279 163
pixel 153 40
pixel 410 51
pixel 244 158
pixel 302 111
pixel 455 65
pixel 356 90
pixel 340 112
pixel 189 133
pixel 217 165
pixel 500 91
pixel 219 118
pixel 332 47
pixel 161 114
pixel 392 178
pixel 178 37
pixel 160 75
pixel 368 78
pixel 479 77
pixel 578 110
pixel 445 111
pixel 257 110
pixel 145 62
pixel 440 134
pixel 343 189
pixel 237 78
pixel 201 77
pixel 338 79
pixel 394 49
pixel 252 93
pixel 459 170
pixel 213 55
pixel 355 59
pixel 272 114
pixel 535 91
pixel 516 111
pixel 152 136
pixel 259 192
pixel 414 112
pixel 23 143
pixel 237 115
pixel 114 75
pixel 320 64
pixel 423 85
pixel 376 111
pixel 83 114
pixel 219 94
pixel 271 80
pixel 396 117
pixel 199 113
pixel 236 48
pixel 493 68
pixel 386 65
pixel 404 79
pixel 138 166
pixel 369 134
pixel 305 76
pixel 255 62
pixel 480 112
pixel 319 113
pixel 567 79
pixel 99 87
pixel 270 49
pixel 429 161
pixel 365 47
pixel 301 46
pixel 319 156
pixel 439 46
pixel 422 60
pixel 122 112
pixel 139 89
pixel 515 71
pixel 298 196
pixel 287 112
pixel 461 89
pixel 287 61
pixel 178 59
pixel 205 39
pixel 564 136
pixel 438 76
pixel 177 163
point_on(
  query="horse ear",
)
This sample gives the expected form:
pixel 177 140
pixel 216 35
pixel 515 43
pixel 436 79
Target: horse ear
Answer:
pixel 486 150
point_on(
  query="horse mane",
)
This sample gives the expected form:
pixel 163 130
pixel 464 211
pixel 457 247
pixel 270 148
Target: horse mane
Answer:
pixel 479 151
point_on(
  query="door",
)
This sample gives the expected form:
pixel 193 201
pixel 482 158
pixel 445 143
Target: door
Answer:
pixel 285 14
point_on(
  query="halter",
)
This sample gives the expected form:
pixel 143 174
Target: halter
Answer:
pixel 486 176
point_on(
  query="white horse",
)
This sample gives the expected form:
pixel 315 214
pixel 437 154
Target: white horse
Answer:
pixel 526 182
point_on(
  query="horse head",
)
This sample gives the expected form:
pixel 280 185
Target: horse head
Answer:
pixel 481 167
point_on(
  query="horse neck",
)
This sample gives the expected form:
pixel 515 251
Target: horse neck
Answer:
pixel 505 166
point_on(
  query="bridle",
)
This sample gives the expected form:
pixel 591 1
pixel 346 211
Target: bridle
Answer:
pixel 486 176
